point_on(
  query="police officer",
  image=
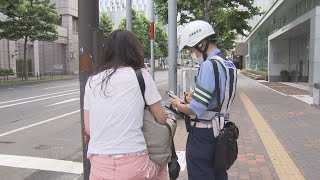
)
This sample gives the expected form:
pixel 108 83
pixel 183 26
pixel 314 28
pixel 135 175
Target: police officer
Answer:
pixel 199 38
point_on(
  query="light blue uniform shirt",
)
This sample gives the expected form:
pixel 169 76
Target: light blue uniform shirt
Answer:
pixel 206 82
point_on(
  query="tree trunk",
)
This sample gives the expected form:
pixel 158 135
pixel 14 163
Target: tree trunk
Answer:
pixel 25 64
pixel 206 14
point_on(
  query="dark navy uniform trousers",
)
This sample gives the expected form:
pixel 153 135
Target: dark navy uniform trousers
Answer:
pixel 200 151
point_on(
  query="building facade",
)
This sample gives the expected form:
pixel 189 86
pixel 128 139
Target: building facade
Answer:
pixel 288 38
pixel 116 9
pixel 60 56
pixel 264 6
pixel 239 53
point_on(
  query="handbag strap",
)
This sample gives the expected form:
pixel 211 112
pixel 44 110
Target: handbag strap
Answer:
pixel 141 84
pixel 142 88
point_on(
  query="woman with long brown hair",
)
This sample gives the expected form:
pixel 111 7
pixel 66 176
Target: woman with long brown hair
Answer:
pixel 113 112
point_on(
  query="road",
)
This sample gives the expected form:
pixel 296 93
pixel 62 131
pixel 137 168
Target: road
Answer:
pixel 40 130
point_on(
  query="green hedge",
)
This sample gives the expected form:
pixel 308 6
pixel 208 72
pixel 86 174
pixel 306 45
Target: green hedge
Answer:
pixel 262 73
pixel 5 71
pixel 258 75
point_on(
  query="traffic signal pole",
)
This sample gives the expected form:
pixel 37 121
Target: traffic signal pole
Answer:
pixel 88 13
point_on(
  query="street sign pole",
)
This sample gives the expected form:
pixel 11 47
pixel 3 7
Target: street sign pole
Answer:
pixel 152 38
pixel 88 20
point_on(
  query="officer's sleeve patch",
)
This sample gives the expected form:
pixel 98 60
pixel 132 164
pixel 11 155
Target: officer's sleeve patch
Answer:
pixel 202 95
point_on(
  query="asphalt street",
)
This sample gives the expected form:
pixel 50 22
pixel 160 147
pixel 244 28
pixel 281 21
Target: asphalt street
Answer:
pixel 40 129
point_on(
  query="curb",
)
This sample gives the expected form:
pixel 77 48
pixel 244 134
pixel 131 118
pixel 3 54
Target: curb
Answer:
pixel 19 83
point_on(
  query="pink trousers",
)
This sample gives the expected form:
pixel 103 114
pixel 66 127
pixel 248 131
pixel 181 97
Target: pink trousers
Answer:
pixel 126 168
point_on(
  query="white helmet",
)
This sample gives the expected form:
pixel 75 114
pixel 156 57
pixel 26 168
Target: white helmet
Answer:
pixel 194 32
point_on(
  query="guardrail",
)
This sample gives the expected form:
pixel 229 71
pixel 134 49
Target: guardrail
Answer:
pixel 6 77
pixel 187 80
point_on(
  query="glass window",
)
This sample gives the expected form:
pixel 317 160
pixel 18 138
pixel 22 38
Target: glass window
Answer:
pixel 59 22
pixel 75 24
pixel 285 14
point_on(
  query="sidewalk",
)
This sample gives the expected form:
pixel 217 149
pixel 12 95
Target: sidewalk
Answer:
pixel 35 80
pixel 279 137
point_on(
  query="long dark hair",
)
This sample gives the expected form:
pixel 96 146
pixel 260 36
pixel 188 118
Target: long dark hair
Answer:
pixel 121 49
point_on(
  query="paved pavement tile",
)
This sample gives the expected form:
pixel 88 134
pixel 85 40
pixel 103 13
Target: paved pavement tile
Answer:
pixel 295 124
pixel 252 159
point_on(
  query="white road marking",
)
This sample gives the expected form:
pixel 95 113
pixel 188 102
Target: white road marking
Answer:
pixel 62 102
pixel 44 84
pixel 76 178
pixel 38 123
pixel 41 164
pixel 52 164
pixel 37 85
pixel 35 100
pixel 55 165
pixel 182 159
pixel 37 96
pixel 162 83
pixel 61 86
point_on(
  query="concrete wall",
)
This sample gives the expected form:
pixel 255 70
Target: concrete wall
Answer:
pixel 67 7
pixel 278 58
pixel 51 54
pixel 241 49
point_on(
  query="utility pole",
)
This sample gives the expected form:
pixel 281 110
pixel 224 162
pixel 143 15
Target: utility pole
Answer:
pixel 129 17
pixel 152 38
pixel 172 19
pixel 88 19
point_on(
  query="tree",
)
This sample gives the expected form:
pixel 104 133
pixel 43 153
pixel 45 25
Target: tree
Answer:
pixel 161 38
pixel 228 17
pixel 141 28
pixel 105 24
pixel 28 20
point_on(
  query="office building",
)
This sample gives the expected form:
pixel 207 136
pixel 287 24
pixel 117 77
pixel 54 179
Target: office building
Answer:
pixel 60 56
pixel 116 9
pixel 288 38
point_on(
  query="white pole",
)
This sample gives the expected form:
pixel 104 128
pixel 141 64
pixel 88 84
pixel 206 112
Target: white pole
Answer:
pixel 172 20
pixel 129 17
